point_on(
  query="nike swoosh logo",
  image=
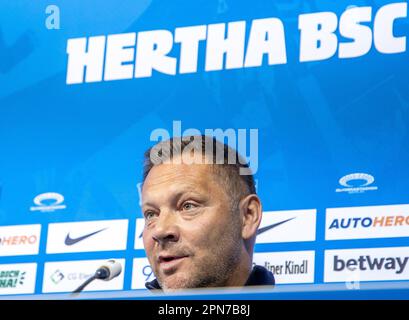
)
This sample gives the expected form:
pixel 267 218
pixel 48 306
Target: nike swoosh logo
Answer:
pixel 264 229
pixel 70 241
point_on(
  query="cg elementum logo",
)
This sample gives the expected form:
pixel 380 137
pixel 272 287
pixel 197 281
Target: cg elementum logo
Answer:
pixel 11 278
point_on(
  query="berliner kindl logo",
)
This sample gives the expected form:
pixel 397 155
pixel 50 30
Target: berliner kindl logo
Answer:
pixel 48 202
pixel 356 183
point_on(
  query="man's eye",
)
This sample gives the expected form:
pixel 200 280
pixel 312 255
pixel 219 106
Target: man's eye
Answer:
pixel 149 215
pixel 188 206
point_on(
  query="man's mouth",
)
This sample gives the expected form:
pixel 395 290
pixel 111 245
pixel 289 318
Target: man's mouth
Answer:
pixel 169 263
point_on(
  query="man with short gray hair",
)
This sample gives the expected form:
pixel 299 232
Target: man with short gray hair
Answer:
pixel 201 215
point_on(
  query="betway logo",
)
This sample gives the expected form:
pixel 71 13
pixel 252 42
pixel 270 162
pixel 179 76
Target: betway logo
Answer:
pixel 390 221
pixel 397 264
pixel 366 264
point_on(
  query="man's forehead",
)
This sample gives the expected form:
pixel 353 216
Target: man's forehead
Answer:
pixel 176 177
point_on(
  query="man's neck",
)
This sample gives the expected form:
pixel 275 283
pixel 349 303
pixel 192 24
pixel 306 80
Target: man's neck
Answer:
pixel 239 276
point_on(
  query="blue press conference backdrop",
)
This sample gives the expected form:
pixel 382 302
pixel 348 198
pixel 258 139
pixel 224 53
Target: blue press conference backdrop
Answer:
pixel 318 122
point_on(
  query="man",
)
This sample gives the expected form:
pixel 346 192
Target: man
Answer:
pixel 201 216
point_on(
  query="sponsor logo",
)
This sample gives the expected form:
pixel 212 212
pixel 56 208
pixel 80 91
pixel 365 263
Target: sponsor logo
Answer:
pixel 367 222
pixel 287 226
pixel 19 240
pixel 366 262
pixel 11 278
pixel 356 183
pixel 48 202
pixel 370 264
pixel 288 267
pixel 66 276
pixel 140 225
pixel 141 273
pixel 101 235
pixel 71 241
pixel 17 278
pixel 274 225
pixel 57 276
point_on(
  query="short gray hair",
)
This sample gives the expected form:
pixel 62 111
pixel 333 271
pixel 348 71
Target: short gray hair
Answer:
pixel 227 163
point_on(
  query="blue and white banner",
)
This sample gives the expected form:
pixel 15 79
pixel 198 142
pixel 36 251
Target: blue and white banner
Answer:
pixel 320 88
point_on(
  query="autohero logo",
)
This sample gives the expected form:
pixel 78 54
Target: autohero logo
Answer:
pixel 356 183
pixel 19 240
pixel 367 222
pixel 371 264
pixel 48 202
pixel 11 278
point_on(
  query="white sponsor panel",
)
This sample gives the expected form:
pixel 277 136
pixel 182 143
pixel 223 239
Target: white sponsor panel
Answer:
pixel 66 276
pixel 367 222
pixel 287 226
pixel 140 224
pixel 19 240
pixel 17 278
pixel 102 235
pixel 367 264
pixel 142 272
pixel 289 266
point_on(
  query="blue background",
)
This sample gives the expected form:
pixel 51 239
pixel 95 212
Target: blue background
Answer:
pixel 317 121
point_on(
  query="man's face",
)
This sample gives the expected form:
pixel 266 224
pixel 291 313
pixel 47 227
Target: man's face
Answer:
pixel 191 237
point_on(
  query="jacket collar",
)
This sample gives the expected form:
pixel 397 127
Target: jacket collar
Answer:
pixel 259 276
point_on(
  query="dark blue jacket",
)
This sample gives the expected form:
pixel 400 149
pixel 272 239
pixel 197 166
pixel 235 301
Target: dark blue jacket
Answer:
pixel 259 276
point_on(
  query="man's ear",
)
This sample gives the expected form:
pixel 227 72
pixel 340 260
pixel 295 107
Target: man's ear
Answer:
pixel 251 211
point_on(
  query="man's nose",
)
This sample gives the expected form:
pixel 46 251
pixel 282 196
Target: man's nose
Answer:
pixel 166 229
